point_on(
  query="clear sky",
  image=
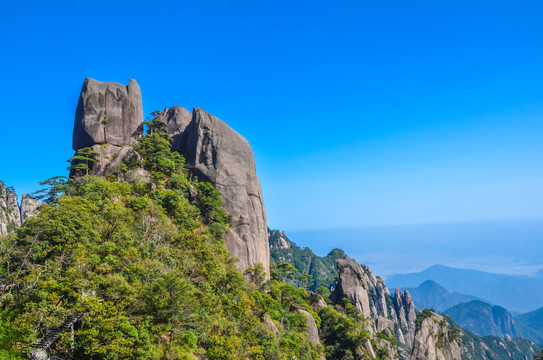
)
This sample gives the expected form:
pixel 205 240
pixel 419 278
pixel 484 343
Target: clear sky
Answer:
pixel 360 113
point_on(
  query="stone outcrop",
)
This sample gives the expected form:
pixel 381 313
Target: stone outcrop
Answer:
pixel 393 317
pixel 107 113
pixel 28 206
pixel 434 341
pixel 214 152
pixel 176 119
pixel 279 242
pixel 109 120
pixel 11 214
pixel 311 330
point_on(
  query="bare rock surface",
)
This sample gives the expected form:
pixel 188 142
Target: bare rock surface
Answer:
pixel 28 206
pixel 312 330
pixel 176 119
pixel 107 112
pixel 216 153
pixel 393 316
pixel 11 214
pixel 434 341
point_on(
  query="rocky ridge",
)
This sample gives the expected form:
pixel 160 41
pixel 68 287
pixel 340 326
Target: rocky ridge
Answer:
pixel 109 120
pixel 435 339
pixel 393 317
pixel 419 335
pixel 12 215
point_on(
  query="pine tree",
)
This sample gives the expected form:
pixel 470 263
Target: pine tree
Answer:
pixel 81 160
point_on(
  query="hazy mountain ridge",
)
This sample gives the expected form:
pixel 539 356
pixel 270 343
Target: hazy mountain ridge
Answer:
pixel 532 319
pixel 517 293
pixel 431 295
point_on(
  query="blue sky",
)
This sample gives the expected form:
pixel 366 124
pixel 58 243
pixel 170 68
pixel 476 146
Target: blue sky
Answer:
pixel 360 113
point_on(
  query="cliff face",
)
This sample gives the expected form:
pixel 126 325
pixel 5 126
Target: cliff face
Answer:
pixel 436 340
pixel 216 153
pixel 107 113
pixel 109 120
pixel 11 214
pixel 391 316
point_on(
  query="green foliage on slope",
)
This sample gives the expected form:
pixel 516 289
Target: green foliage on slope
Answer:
pixel 322 269
pixel 492 347
pixel 145 266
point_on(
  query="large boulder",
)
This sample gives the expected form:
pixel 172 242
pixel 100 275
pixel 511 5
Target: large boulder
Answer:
pixel 108 119
pixel 107 113
pixel 214 152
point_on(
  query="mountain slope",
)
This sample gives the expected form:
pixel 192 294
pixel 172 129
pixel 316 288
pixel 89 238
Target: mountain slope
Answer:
pixel 321 268
pixel 533 319
pixel 431 295
pixel 517 293
pixel 484 319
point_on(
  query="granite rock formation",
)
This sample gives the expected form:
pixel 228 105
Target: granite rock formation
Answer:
pixel 434 340
pixel 109 120
pixel 29 205
pixel 107 113
pixel 312 330
pixel 280 243
pixel 391 316
pixel 177 119
pixel 11 214
pixel 214 152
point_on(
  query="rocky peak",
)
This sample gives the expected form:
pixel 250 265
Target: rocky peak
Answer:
pixel 370 295
pixel 278 240
pixel 214 152
pixel 11 214
pixel 107 113
pixel 109 120
pixel 436 340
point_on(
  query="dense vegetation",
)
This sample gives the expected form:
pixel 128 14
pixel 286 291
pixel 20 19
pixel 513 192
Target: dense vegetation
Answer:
pixel 146 268
pixel 321 269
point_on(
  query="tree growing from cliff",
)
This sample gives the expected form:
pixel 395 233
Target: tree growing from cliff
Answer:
pixel 81 160
pixel 55 187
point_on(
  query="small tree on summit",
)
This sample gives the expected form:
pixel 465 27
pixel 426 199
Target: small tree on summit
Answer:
pixel 81 160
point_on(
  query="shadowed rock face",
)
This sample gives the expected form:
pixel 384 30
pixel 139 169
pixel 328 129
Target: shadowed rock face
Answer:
pixel 216 153
pixel 177 119
pixel 107 113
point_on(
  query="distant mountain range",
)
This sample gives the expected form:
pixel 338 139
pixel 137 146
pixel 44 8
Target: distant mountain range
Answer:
pixel 484 319
pixel 517 293
pixel 533 319
pixel 431 295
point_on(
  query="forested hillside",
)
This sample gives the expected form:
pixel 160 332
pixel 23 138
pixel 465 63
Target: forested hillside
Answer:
pixel 143 271
pixel 312 271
